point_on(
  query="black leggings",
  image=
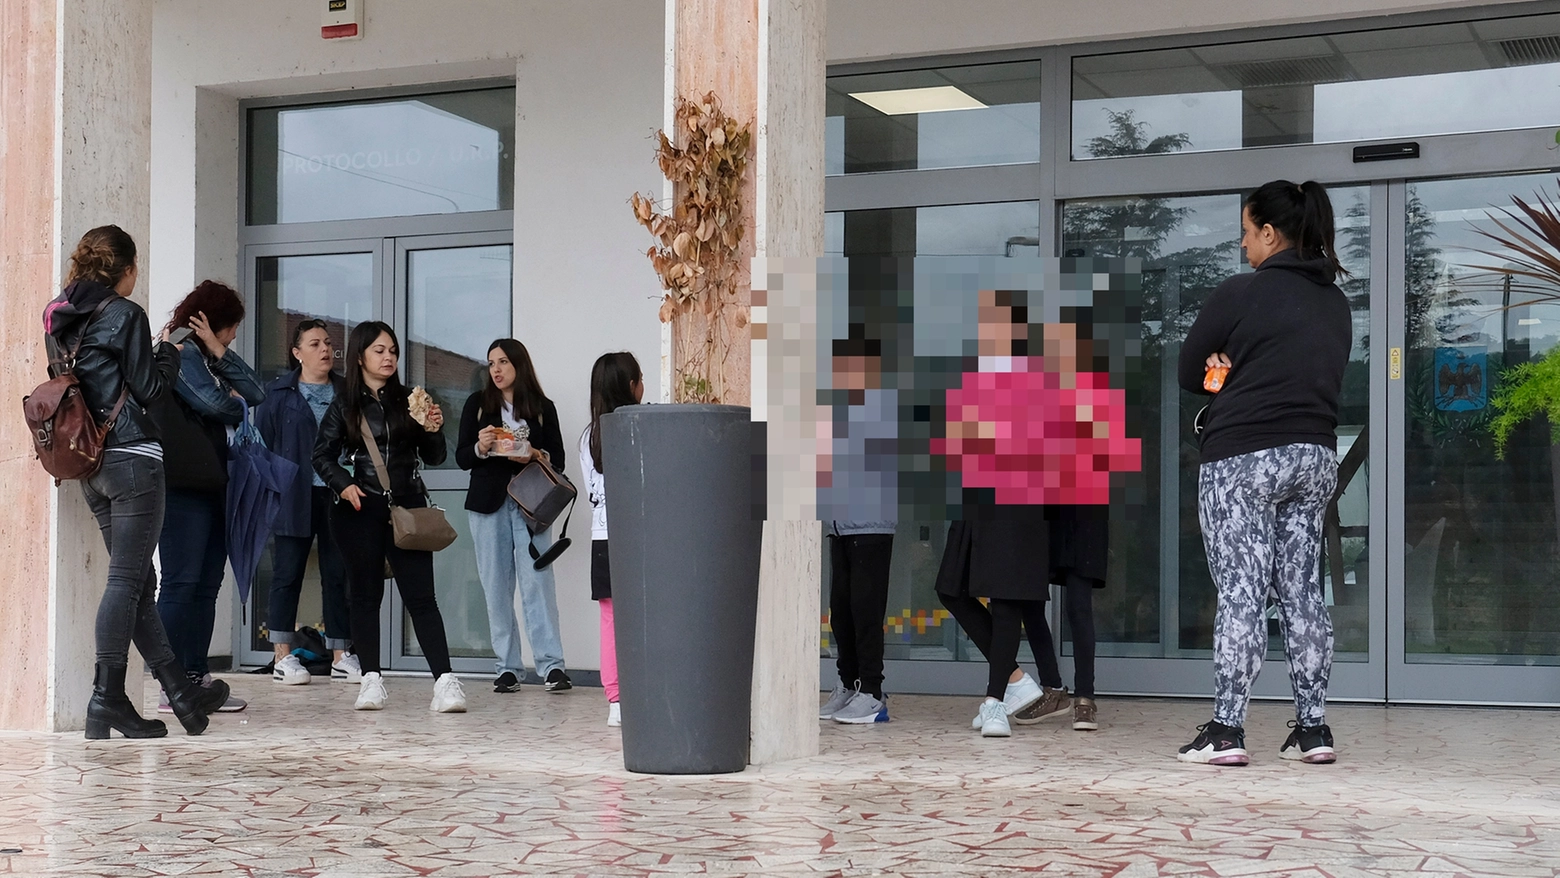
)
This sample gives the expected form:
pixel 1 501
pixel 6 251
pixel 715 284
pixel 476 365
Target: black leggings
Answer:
pixel 366 544
pixel 1079 605
pixel 996 632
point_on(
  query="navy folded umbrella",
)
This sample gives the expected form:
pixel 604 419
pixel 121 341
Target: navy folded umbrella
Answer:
pixel 257 477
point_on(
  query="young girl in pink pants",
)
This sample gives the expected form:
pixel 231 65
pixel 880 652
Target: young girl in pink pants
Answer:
pixel 615 381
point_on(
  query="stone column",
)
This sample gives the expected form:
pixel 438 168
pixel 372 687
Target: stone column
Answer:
pixel 765 60
pixel 75 149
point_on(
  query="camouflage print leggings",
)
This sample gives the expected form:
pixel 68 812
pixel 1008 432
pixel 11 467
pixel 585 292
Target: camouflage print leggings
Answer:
pixel 1261 516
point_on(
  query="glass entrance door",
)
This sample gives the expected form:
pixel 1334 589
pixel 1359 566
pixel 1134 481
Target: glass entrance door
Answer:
pixel 448 296
pixel 1473 611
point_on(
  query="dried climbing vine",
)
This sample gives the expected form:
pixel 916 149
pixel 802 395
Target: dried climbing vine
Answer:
pixel 699 240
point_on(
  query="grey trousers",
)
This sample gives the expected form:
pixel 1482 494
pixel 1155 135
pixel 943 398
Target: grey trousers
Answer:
pixel 1261 516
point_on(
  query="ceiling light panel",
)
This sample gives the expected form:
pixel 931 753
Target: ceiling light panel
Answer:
pixel 906 101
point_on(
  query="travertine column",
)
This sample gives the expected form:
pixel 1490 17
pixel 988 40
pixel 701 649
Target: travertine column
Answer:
pixel 765 60
pixel 75 146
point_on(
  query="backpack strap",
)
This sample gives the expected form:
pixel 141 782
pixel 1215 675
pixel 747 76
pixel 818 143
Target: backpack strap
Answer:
pixel 67 362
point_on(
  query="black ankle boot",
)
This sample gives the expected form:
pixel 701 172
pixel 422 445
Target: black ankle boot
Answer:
pixel 110 708
pixel 191 702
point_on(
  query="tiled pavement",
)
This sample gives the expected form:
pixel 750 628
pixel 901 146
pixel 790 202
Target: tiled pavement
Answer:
pixel 533 784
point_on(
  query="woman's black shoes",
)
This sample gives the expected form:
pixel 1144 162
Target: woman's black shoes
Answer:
pixel 110 709
pixel 191 702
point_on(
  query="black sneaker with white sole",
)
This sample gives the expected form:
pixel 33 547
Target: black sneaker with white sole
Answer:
pixel 1216 744
pixel 506 682
pixel 1312 744
pixel 557 681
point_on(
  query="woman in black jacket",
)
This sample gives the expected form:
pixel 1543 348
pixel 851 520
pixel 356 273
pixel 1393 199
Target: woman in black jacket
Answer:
pixel 511 403
pixel 121 373
pixel 1269 460
pixel 373 394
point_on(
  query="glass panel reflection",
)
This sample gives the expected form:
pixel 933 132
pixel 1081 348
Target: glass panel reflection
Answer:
pixel 984 114
pixel 1481 560
pixel 448 153
pixel 1159 598
pixel 460 301
pixel 337 288
pixel 1401 82
pixel 917 625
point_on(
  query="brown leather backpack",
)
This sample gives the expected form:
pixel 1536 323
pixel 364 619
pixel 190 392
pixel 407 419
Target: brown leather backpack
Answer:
pixel 66 437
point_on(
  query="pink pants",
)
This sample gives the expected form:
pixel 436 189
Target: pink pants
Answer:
pixel 609 674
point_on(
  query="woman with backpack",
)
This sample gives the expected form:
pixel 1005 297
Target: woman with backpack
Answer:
pixel 373 400
pixel 289 421
pixel 120 373
pixel 209 399
pixel 510 404
pixel 615 381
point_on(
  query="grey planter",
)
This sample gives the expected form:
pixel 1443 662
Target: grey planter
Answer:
pixel 685 556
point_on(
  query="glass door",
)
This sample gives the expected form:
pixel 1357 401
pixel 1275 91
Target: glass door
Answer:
pixel 448 296
pixel 340 283
pixel 454 296
pixel 1473 613
pixel 1154 619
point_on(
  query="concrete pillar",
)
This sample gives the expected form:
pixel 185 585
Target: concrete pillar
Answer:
pixel 765 60
pixel 75 150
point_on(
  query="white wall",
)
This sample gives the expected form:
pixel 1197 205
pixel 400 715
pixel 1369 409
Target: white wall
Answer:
pixel 861 30
pixel 588 80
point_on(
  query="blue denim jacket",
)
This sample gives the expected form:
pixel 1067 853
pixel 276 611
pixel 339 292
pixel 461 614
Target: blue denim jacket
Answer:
pixel 205 383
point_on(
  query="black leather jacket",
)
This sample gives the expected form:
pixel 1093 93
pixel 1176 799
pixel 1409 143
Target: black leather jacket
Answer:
pixel 117 352
pixel 400 448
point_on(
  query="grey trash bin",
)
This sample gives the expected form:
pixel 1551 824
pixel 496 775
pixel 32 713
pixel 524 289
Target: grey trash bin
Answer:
pixel 685 557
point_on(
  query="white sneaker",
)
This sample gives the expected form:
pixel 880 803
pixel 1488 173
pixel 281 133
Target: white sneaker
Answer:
pixel 837 701
pixel 994 719
pixel 371 692
pixel 614 716
pixel 448 696
pixel 348 670
pixel 290 672
pixel 1016 697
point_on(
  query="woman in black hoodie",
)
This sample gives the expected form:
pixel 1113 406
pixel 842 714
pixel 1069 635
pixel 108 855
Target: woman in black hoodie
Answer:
pixel 120 373
pixel 1269 460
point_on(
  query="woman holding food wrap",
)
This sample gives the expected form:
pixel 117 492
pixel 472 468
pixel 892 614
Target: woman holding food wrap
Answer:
pixel 503 427
pixel 405 426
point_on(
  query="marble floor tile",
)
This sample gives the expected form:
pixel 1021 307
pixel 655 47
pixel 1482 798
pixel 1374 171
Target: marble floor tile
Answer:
pixel 531 784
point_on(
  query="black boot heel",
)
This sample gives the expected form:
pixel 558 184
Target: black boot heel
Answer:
pixel 111 709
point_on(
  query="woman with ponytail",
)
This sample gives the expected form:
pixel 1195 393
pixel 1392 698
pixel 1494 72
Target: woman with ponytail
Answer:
pixel 121 373
pixel 1269 460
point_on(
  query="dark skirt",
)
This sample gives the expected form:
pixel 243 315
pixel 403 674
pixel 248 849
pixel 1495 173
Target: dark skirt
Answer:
pixel 1006 558
pixel 1080 542
pixel 600 572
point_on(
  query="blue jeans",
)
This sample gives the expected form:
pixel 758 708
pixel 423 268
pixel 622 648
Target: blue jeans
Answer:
pixel 289 561
pixel 502 559
pixel 126 497
pixel 194 556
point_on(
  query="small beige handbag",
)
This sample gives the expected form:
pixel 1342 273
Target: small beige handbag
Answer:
pixel 416 530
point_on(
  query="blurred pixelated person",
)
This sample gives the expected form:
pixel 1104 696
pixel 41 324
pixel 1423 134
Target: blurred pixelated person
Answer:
pixel 858 481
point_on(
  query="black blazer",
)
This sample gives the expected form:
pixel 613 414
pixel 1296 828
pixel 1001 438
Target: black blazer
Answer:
pixel 490 476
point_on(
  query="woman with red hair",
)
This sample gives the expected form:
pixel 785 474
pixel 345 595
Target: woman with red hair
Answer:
pixel 214 384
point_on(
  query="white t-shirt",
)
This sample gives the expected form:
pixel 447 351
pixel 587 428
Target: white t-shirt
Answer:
pixel 595 489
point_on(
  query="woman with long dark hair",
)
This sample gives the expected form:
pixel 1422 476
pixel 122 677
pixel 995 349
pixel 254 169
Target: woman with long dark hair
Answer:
pixel 214 385
pixel 372 394
pixel 289 421
pixel 511 404
pixel 120 374
pixel 615 381
pixel 1269 460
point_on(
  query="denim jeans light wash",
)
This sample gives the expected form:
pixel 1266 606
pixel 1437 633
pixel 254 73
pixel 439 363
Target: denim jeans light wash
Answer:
pixel 193 550
pixel 126 497
pixel 502 559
